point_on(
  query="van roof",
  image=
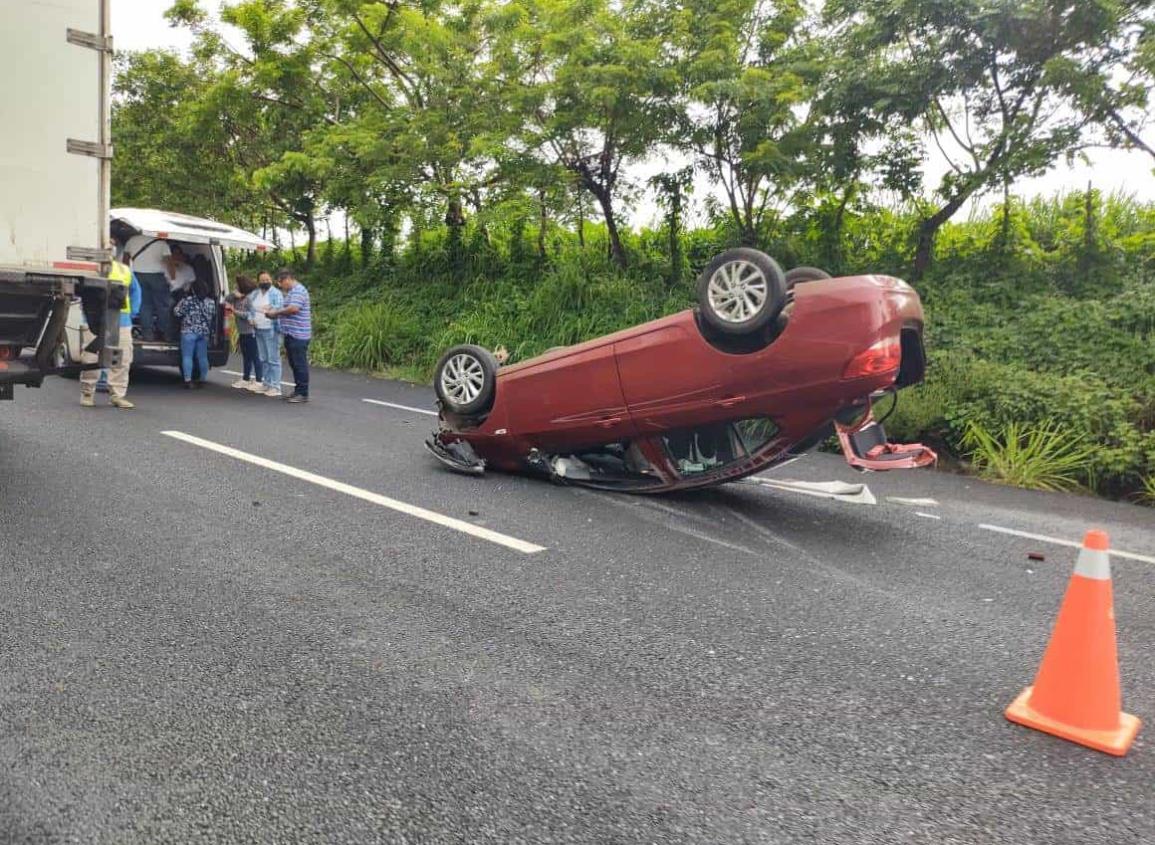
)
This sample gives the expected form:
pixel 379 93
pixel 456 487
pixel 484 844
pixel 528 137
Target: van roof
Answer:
pixel 183 227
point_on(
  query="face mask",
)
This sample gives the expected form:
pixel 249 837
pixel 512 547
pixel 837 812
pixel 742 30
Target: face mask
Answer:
pixel 266 285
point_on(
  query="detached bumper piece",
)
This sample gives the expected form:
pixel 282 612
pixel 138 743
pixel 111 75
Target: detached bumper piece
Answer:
pixel 866 448
pixel 457 455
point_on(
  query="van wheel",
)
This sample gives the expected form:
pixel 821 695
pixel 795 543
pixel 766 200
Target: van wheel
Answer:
pixel 805 274
pixel 466 380
pixel 61 359
pixel 741 291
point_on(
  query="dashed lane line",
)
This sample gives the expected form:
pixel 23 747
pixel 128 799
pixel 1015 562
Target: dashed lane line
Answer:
pixel 1043 538
pixel 401 407
pixel 365 495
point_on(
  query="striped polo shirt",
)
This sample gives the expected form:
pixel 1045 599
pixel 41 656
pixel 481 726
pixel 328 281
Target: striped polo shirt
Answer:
pixel 299 325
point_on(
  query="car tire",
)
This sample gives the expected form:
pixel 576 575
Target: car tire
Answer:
pixel 741 292
pixel 805 274
pixel 466 380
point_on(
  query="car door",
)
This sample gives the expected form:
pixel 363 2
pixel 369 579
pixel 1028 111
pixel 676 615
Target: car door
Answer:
pixel 671 377
pixel 567 401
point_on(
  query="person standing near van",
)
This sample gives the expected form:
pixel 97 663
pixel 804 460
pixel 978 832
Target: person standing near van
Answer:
pixel 151 266
pixel 264 299
pixel 120 274
pixel 242 302
pixel 196 312
pixel 296 323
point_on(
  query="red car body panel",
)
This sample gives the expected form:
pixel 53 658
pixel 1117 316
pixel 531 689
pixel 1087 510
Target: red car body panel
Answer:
pixel 665 375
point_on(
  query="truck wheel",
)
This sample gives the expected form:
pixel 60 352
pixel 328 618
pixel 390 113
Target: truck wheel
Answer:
pixel 466 380
pixel 741 291
pixel 805 274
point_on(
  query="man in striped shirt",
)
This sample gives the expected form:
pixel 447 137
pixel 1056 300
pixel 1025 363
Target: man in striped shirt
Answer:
pixel 296 324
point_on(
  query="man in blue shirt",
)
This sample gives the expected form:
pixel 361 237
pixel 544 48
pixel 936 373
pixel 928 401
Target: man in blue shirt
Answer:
pixel 295 320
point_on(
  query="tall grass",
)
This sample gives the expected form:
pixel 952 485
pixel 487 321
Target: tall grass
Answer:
pixel 1043 457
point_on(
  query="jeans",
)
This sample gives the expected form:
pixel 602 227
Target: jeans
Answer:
pixel 190 345
pixel 155 306
pixel 250 354
pixel 269 353
pixel 297 351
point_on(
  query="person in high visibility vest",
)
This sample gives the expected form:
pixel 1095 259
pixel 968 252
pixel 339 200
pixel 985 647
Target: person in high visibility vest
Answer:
pixel 120 274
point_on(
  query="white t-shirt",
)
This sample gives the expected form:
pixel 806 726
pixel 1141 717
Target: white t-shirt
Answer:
pixel 185 276
pixel 260 303
pixel 152 260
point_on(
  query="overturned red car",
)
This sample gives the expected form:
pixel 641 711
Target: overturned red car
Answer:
pixel 767 366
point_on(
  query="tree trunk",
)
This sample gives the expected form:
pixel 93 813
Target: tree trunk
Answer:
pixel 617 251
pixel 581 221
pixel 455 221
pixel 311 249
pixel 924 248
pixel 542 222
pixel 366 246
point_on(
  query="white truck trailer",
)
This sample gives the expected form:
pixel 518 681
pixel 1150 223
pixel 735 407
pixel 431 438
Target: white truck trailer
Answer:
pixel 55 161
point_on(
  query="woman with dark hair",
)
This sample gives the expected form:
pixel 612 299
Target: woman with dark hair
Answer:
pixel 242 303
pixel 196 312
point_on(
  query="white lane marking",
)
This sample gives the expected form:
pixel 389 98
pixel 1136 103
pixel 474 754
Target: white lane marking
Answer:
pixel 1043 538
pixel 858 494
pixel 927 515
pixel 242 375
pixel 365 495
pixel 401 407
pixel 923 503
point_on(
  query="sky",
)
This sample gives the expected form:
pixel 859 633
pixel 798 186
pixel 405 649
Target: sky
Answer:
pixel 140 25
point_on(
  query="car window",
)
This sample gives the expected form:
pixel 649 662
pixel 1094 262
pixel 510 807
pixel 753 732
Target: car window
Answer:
pixel 710 448
pixel 696 451
pixel 756 432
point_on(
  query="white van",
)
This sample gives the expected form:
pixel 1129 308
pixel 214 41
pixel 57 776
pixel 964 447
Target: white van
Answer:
pixel 140 227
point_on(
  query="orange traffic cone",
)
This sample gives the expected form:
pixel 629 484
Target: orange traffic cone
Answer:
pixel 1076 693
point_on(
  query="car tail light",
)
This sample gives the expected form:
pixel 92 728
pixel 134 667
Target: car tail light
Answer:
pixel 7 353
pixel 878 359
pixel 226 326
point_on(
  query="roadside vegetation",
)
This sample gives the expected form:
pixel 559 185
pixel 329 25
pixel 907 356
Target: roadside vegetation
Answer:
pixel 448 172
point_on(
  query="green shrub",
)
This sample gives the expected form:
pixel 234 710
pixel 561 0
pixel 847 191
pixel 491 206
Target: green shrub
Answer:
pixel 1043 457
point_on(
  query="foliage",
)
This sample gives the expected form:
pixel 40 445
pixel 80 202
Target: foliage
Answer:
pixel 1044 457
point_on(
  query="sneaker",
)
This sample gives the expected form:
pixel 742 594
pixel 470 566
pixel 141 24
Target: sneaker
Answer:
pixel 87 400
pixel 273 391
pixel 121 402
pixel 241 384
pixel 297 399
pixel 256 387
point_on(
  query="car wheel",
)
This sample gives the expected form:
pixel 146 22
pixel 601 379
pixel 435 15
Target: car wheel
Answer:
pixel 741 291
pixel 466 380
pixel 805 274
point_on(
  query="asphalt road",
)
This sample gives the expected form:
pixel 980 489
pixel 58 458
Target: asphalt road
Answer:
pixel 198 648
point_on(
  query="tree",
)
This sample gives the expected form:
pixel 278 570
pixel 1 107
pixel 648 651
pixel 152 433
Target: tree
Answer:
pixel 592 85
pixel 987 81
pixel 745 69
pixel 167 152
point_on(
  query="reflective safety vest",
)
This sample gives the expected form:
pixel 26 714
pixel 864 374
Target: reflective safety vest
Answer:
pixel 122 276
